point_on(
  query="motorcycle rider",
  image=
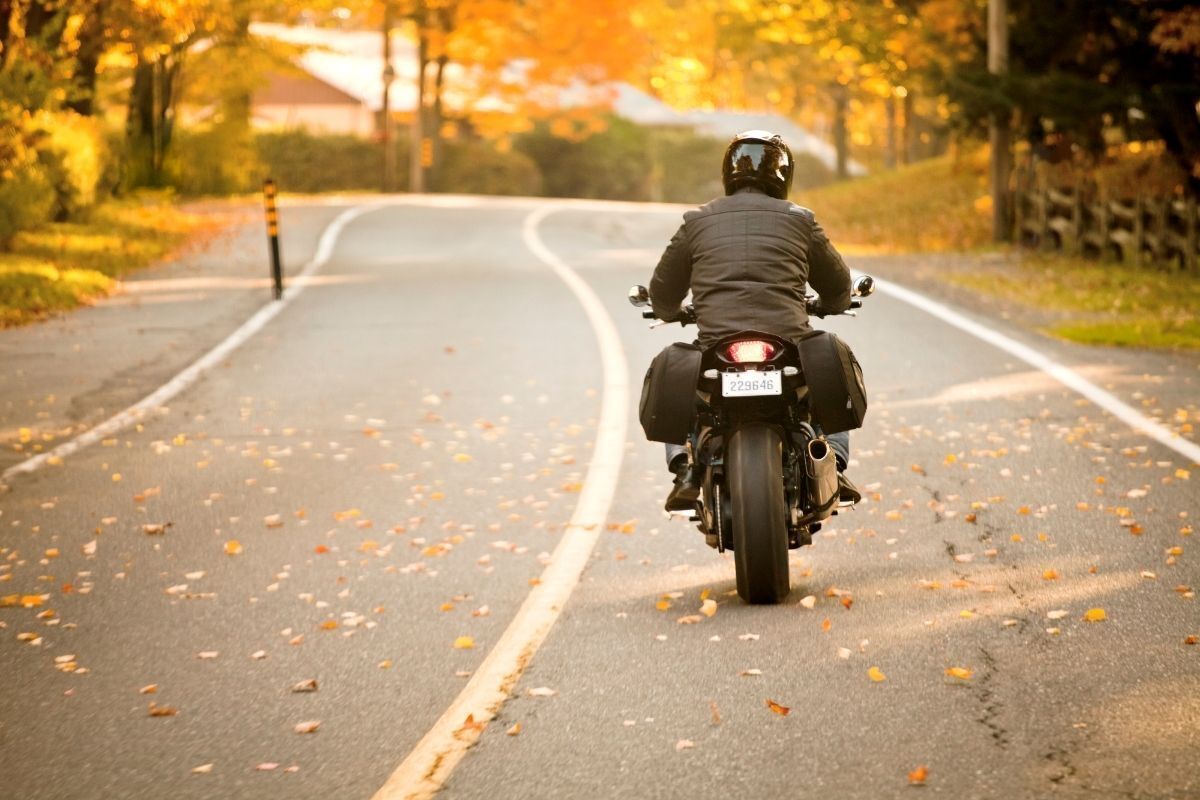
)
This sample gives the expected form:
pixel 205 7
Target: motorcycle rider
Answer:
pixel 746 258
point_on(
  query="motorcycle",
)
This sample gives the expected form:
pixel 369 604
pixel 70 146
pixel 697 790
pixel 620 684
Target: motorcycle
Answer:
pixel 769 475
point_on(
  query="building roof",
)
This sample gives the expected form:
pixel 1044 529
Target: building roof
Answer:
pixel 302 88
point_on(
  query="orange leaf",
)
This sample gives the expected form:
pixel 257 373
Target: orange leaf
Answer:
pixel 876 675
pixel 826 625
pixel 464 643
pixel 782 711
pixel 962 673
pixel 1095 615
pixel 1050 575
pixel 917 776
pixel 233 547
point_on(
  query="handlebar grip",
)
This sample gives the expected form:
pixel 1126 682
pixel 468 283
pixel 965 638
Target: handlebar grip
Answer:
pixel 648 314
pixel 856 303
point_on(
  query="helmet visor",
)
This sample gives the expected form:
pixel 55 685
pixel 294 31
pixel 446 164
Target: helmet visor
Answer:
pixel 759 158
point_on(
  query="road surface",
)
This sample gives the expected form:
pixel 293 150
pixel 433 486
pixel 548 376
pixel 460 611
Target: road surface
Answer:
pixel 365 491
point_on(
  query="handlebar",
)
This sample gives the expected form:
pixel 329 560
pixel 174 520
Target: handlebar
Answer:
pixel 864 286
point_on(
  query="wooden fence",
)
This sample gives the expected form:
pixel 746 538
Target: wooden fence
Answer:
pixel 1150 231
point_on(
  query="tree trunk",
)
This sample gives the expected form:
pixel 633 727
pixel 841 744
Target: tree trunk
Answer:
pixel 891 157
pixel 151 117
pixel 87 59
pixel 416 161
pixel 841 145
pixel 7 9
pixel 908 130
pixel 438 115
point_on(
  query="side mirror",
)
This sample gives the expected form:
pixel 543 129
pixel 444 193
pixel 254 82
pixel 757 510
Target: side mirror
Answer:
pixel 638 296
pixel 864 286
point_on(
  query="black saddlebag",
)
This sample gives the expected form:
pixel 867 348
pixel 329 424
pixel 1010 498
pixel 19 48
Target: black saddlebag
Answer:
pixel 668 406
pixel 837 394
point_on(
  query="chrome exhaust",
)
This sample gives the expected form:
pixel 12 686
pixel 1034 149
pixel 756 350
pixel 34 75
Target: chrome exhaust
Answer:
pixel 821 467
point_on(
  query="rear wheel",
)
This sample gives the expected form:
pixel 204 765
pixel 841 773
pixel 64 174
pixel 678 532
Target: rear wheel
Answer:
pixel 754 475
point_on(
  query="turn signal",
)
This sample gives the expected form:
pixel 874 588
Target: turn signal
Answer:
pixel 750 352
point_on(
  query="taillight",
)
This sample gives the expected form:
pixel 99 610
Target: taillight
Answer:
pixel 750 352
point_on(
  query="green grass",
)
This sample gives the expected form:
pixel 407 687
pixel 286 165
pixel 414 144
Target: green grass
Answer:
pixel 64 265
pixel 1098 303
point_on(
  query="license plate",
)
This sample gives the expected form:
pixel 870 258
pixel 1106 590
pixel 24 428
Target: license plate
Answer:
pixel 751 384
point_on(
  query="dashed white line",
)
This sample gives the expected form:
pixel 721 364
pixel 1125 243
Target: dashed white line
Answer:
pixel 426 768
pixel 191 373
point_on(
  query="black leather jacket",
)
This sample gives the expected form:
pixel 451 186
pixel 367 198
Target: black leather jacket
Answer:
pixel 746 259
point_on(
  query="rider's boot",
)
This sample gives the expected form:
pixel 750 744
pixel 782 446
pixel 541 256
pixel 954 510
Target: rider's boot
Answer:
pixel 686 490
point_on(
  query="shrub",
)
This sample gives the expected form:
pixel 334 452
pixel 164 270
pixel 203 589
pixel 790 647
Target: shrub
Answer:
pixel 475 167
pixel 221 159
pixel 26 200
pixel 614 165
pixel 74 153
pixel 303 162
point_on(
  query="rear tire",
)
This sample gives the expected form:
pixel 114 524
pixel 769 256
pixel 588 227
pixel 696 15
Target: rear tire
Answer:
pixel 754 475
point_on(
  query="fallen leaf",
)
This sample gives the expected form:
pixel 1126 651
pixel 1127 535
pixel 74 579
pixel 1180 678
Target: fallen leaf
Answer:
pixel 542 691
pixel 750 673
pixel 1095 615
pixel 273 521
pixel 1050 575
pixel 464 643
pixel 233 547
pixel 663 604
pixel 156 710
pixel 782 711
pixel 809 602
pixel 309 685
pixel 684 744
pixel 259 655
pixel 307 727
pixel 266 766
pixel 203 769
pixel 826 625
pixel 691 619
pixel 876 674
pixel 843 652
pixel 1058 613
pixel 155 529
pixel 962 673
pixel 917 776
pixel 150 689
pixel 708 608
pixel 206 655
pixel 515 730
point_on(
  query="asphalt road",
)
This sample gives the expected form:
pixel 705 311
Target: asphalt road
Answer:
pixel 386 467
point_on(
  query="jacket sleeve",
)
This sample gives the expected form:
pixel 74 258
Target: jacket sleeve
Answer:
pixel 827 273
pixel 672 277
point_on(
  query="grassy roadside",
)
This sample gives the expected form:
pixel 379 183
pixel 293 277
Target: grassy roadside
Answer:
pixel 941 205
pixel 64 265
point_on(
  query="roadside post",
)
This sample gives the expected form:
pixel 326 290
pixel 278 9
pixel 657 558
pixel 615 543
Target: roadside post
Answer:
pixel 273 237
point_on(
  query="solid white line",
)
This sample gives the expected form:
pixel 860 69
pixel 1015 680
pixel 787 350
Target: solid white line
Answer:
pixel 1064 375
pixel 191 373
pixel 426 768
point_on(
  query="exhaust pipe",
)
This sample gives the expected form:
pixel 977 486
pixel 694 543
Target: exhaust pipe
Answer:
pixel 821 466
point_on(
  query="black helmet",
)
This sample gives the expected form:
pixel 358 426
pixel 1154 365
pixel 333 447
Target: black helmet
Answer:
pixel 759 159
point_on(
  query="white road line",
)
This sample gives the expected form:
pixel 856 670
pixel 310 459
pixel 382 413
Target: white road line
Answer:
pixel 430 763
pixel 1064 375
pixel 191 373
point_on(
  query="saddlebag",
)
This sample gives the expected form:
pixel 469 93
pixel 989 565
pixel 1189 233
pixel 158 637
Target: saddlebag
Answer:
pixel 667 409
pixel 837 394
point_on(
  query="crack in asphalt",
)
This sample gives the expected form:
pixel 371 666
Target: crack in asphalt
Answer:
pixel 986 696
